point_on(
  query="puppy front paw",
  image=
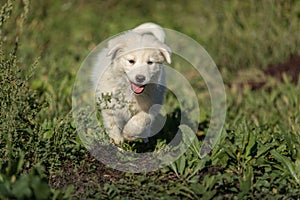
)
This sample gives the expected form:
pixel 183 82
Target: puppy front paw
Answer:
pixel 137 127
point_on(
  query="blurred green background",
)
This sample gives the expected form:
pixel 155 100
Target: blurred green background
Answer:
pixel 43 44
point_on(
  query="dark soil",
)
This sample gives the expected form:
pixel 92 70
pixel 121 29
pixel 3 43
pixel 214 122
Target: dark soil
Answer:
pixel 85 178
pixel 291 68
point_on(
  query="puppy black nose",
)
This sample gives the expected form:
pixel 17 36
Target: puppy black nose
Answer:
pixel 140 78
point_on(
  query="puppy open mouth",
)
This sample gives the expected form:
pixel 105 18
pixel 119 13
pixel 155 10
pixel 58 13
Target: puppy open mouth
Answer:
pixel 137 89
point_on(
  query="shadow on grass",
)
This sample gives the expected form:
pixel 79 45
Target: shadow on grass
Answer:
pixel 167 134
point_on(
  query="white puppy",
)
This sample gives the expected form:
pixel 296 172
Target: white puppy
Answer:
pixel 129 81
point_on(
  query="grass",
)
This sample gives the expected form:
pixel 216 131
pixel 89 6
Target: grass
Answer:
pixel 42 47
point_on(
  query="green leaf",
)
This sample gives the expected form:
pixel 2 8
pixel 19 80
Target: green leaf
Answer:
pixel 21 187
pixel 250 145
pixel 174 168
pixel 246 181
pixel 181 164
pixel 287 163
pixel 41 189
pixel 48 134
pixel 68 191
pixel 200 166
pixel 198 188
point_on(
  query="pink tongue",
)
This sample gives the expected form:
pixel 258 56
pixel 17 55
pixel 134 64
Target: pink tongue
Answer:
pixel 137 89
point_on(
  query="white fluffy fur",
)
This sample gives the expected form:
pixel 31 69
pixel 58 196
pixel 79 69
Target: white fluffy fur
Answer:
pixel 140 51
pixel 152 28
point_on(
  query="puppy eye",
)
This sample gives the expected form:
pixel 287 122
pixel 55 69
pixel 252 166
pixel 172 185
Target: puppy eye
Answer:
pixel 131 61
pixel 149 62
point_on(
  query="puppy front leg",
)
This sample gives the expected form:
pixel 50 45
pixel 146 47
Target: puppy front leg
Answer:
pixel 138 126
pixel 111 125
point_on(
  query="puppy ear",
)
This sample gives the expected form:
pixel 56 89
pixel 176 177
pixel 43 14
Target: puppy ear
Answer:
pixel 166 52
pixel 151 28
pixel 113 51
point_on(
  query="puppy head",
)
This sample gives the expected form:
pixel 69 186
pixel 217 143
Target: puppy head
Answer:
pixel 140 57
pixel 142 66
